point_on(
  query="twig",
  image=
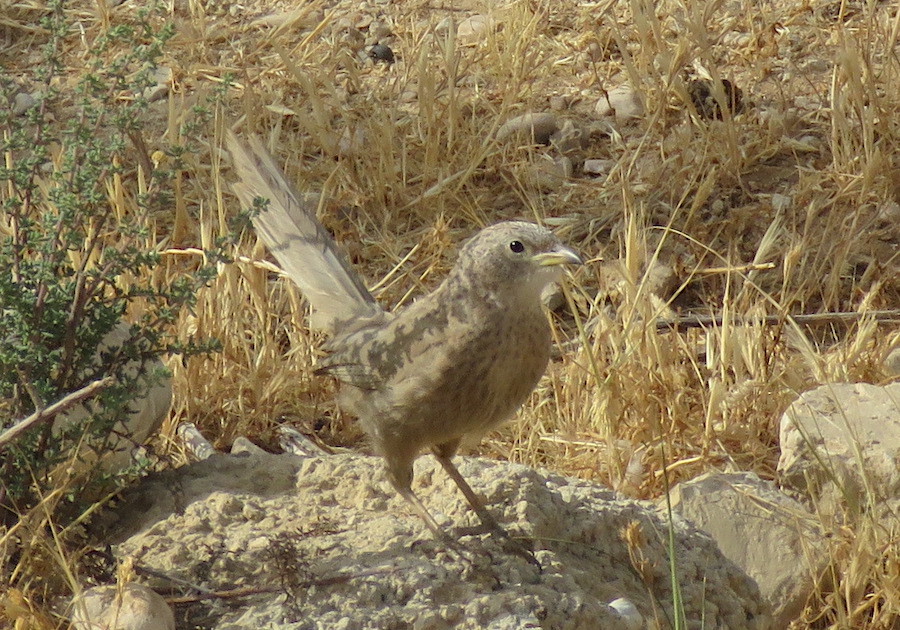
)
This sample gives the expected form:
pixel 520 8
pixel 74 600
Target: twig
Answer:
pixel 702 321
pixel 246 591
pixel 43 415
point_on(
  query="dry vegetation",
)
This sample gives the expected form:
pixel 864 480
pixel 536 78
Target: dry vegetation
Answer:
pixel 805 178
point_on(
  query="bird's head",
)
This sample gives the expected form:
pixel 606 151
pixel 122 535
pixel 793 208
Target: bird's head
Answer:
pixel 514 256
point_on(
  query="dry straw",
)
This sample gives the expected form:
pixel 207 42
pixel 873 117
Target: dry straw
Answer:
pixel 787 207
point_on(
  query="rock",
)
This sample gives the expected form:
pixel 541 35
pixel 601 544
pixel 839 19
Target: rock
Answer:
pixel 598 167
pixel 136 608
pixel 358 557
pixel 161 494
pixel 892 363
pixel 147 416
pixel 473 30
pixel 532 128
pixel 381 53
pixel 628 612
pixel 549 174
pixel 774 539
pixel 22 102
pixel 194 442
pixel 164 78
pixel 353 142
pixel 782 203
pixel 841 444
pixel 623 102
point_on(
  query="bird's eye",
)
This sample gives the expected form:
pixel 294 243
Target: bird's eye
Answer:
pixel 516 247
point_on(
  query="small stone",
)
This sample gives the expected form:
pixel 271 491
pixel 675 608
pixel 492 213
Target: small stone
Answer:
pixel 622 102
pixel 131 607
pixel 444 25
pixel 534 128
pixel 22 103
pixel 381 53
pixel 889 212
pixel 474 29
pixel 816 65
pixel 774 539
pixel 736 39
pixel 548 175
pixel 164 77
pixel 380 30
pixel 598 167
pixel 243 446
pixel 629 613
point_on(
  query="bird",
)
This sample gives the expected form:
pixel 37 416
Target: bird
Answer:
pixel 439 372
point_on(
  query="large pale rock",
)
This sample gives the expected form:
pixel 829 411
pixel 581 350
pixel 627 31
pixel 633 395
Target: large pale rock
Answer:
pixel 841 443
pixel 131 607
pixel 161 494
pixel 360 558
pixel 767 534
pixel 147 415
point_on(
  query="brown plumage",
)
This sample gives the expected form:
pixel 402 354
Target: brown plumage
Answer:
pixel 450 366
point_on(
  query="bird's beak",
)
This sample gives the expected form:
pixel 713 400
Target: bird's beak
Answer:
pixel 561 255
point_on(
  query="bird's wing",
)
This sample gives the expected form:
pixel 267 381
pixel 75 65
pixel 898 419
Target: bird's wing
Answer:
pixel 304 248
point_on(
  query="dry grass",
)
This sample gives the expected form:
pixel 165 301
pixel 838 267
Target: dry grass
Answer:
pixel 805 178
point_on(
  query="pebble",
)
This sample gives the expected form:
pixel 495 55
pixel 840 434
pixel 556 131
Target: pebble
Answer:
pixel 474 29
pixel 548 175
pixel 598 167
pixel 536 127
pixel 163 76
pixel 622 102
pixel 382 53
pixel 22 103
pixel 628 612
pixel 137 608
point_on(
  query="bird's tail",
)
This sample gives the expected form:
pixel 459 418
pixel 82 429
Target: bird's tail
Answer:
pixel 304 248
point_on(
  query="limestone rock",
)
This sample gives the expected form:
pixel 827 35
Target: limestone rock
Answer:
pixel 622 102
pixel 161 494
pixel 147 416
pixel 767 534
pixel 136 608
pixel 361 559
pixel 532 128
pixel 841 443
pixel 474 29
pixel 598 167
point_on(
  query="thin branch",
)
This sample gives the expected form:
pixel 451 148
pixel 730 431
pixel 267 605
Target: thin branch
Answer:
pixel 704 321
pixel 43 415
pixel 246 591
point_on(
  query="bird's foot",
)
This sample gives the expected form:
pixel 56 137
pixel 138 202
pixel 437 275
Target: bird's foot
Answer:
pixel 518 545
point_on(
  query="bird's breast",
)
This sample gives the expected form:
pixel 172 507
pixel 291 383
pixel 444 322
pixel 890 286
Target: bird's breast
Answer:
pixel 475 379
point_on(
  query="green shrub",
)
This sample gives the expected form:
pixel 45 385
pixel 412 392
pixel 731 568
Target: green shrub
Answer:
pixel 73 262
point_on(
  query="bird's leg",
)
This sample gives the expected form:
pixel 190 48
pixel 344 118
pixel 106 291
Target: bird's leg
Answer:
pixel 400 473
pixel 420 509
pixel 444 454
